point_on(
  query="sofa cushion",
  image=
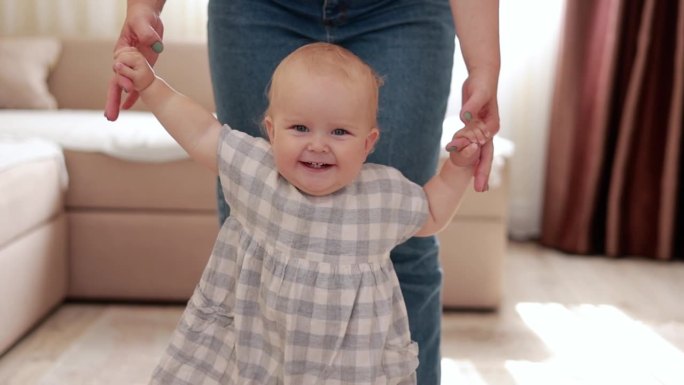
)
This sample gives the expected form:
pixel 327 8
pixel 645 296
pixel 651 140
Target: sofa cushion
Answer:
pixel 32 181
pixel 25 64
pixel 88 62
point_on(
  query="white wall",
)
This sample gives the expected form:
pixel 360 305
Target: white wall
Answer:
pixel 530 32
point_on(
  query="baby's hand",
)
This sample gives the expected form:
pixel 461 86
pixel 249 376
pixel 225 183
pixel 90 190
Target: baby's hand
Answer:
pixel 464 148
pixel 133 71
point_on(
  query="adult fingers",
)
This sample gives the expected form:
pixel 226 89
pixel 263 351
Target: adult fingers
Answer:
pixel 113 99
pixel 130 99
pixel 484 167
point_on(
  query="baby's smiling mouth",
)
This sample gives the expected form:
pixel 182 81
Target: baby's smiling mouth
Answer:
pixel 316 165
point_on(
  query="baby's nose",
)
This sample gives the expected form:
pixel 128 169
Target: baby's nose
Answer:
pixel 318 144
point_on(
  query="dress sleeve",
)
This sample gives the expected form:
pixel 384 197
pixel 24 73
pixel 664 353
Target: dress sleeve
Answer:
pixel 400 204
pixel 245 164
pixel 413 197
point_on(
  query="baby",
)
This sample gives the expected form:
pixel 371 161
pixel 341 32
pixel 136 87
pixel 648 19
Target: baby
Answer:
pixel 299 288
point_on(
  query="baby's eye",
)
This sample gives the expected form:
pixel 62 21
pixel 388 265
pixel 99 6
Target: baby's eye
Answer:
pixel 340 131
pixel 300 128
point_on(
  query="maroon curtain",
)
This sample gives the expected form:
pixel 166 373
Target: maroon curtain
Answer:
pixel 614 163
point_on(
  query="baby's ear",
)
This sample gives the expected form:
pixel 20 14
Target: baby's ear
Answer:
pixel 371 139
pixel 268 126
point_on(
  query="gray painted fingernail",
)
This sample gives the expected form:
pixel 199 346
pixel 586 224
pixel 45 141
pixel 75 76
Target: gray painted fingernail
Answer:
pixel 158 46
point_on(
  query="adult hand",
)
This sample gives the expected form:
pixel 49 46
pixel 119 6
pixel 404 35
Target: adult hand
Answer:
pixel 144 30
pixel 480 108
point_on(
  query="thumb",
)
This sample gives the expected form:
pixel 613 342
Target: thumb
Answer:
pixel 472 106
pixel 145 32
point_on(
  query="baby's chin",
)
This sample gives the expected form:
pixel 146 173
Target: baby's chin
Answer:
pixel 316 192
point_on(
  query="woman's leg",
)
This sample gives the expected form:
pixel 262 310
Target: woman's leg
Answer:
pixel 411 45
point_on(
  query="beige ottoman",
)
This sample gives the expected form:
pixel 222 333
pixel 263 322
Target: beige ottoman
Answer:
pixel 473 246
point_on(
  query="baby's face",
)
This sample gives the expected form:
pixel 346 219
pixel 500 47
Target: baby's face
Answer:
pixel 321 130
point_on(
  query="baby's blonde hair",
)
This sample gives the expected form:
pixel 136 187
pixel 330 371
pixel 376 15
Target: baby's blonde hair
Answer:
pixel 330 59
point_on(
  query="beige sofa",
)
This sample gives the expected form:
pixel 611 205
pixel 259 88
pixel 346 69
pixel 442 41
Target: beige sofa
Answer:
pixel 142 231
pixel 33 244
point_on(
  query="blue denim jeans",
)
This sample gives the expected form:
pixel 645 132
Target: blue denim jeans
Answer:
pixel 410 43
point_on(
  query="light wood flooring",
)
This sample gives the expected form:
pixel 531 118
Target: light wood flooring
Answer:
pixel 564 320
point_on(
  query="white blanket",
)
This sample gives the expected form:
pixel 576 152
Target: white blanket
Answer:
pixel 138 136
pixel 135 136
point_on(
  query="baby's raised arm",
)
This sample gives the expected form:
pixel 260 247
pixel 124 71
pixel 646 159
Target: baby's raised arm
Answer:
pixel 190 124
pixel 445 190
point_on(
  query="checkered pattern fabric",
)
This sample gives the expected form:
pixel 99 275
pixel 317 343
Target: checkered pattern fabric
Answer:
pixel 299 289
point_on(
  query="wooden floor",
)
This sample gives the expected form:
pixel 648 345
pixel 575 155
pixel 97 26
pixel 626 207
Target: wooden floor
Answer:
pixel 564 320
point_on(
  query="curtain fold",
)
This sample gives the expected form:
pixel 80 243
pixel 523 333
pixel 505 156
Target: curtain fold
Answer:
pixel 579 111
pixel 614 152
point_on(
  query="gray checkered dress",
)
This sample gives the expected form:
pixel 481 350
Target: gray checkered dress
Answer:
pixel 299 289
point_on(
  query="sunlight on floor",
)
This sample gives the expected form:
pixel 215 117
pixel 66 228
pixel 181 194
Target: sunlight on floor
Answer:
pixel 595 345
pixel 460 372
pixel 587 345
